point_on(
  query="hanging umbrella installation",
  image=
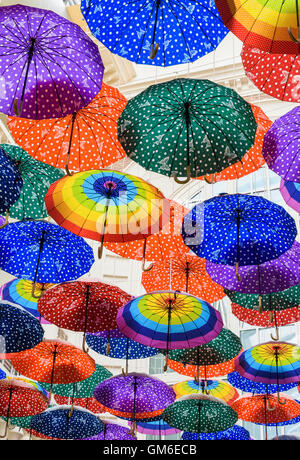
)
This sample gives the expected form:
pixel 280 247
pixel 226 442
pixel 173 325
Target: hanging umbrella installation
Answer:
pixel 207 127
pixel 216 388
pixel 84 140
pixel 48 67
pixel 11 184
pixel 235 433
pixel 156 32
pixel 290 192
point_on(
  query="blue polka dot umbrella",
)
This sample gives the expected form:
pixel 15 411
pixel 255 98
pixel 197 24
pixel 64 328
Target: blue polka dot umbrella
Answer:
pixel 239 230
pixel 235 433
pixel 244 384
pixel 11 183
pixel 161 32
pixel 43 252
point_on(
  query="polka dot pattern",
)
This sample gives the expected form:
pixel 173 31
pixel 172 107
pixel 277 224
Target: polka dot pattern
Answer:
pixel 94 142
pixel 86 403
pixel 11 182
pixel 113 432
pixel 246 385
pixel 279 318
pixel 187 122
pixel 281 147
pixel 235 433
pixel 46 61
pixel 215 370
pixel 63 256
pixel 243 229
pixel 20 399
pixel 185 30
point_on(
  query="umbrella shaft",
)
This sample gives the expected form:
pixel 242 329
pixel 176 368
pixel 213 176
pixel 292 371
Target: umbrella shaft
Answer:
pixel 155 22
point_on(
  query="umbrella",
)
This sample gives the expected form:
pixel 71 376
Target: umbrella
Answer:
pixel 43 253
pixel 185 273
pixel 19 330
pixel 18 291
pixel 86 139
pixel 114 344
pixel 134 397
pixel 48 67
pixel 291 194
pixel 266 410
pixel 19 398
pixel 281 146
pixel 86 403
pixel 270 363
pixel 156 32
pixel 248 386
pixel 253 160
pixel 156 428
pixel 37 178
pixel 169 320
pixel 210 371
pixel 216 388
pixel 83 306
pixel 67 423
pixel 160 246
pixel 269 26
pixel 200 414
pixel 113 432
pixel 2 374
pixel 107 205
pixel 274 276
pixel 274 74
pixel 205 126
pixel 11 184
pixel 235 433
pixel 54 361
pixel 238 230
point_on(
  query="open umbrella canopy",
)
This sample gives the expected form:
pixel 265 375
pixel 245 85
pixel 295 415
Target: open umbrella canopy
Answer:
pixel 86 403
pixel 113 432
pixel 281 146
pixel 67 423
pixel 156 428
pixel 268 25
pixel 248 386
pixel 291 194
pixel 200 414
pixel 37 178
pixel 216 388
pixel 11 182
pixel 156 32
pixel 86 139
pixel 48 66
pixel 235 433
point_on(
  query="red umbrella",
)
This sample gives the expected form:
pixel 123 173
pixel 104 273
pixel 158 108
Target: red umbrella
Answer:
pixel 20 399
pixel 90 404
pixel 184 273
pixel 83 306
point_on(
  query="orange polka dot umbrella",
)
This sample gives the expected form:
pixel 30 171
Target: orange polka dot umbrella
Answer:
pixel 90 404
pixel 87 139
pixel 205 372
pixel 253 159
pixel 159 246
pixel 185 273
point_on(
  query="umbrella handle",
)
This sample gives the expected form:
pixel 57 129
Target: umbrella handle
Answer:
pixel 237 272
pixel 70 413
pixel 67 170
pixel 148 268
pixel 33 294
pixel 271 317
pixel 154 51
pixel 206 391
pixel 18 107
pixel 107 348
pixel 166 363
pixel 100 251
pixel 6 220
pixel 282 402
pixel 276 338
pixel 6 431
pixel 188 176
pixel 260 304
pixel 211 182
pixel 132 429
pixel 85 349
pixel 297 40
pixel 269 408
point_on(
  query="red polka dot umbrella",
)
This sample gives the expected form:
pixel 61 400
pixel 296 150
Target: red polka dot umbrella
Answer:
pixel 184 273
pixel 205 372
pixel 90 404
pixel 253 159
pixel 19 398
pixel 159 246
pixel 83 306
pixel 86 139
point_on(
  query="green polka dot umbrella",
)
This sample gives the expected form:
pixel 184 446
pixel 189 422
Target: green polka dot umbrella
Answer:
pixel 200 414
pixel 187 127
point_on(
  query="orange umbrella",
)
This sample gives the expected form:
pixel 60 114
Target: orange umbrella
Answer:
pixel 159 246
pixel 185 273
pixel 253 159
pixel 204 372
pixel 87 139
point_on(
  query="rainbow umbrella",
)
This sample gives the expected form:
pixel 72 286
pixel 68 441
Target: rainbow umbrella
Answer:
pixel 291 194
pixel 216 388
pixel 107 205
pixel 235 433
pixel 169 320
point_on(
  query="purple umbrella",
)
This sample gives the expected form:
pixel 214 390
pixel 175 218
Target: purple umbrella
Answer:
pixel 134 397
pixel 113 432
pixel 273 276
pixel 281 147
pixel 49 67
pixel 291 194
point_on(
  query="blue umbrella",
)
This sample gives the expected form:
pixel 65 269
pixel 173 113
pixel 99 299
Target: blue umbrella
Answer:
pixel 19 330
pixel 238 230
pixel 66 422
pixel 159 32
pixel 244 384
pixel 11 183
pixel 2 374
pixel 235 433
pixel 43 252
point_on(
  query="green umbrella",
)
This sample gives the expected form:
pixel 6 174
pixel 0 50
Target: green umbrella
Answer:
pixel 187 127
pixel 200 414
pixel 83 389
pixel 20 422
pixel 37 178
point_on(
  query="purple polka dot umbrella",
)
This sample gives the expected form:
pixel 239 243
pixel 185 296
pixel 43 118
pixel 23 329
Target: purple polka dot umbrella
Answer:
pixel 48 66
pixel 273 276
pixel 281 147
pixel 113 432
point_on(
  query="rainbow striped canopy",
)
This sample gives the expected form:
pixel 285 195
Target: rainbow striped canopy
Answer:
pixel 263 24
pixel 216 388
pixel 169 320
pixel 117 206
